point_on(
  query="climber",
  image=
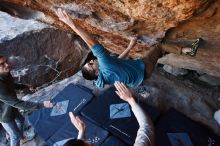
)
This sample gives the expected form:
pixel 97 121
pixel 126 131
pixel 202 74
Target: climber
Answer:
pixel 145 133
pixel 10 118
pixel 107 69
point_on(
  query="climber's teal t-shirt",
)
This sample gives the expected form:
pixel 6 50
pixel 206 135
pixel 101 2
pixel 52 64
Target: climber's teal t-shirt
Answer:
pixel 111 69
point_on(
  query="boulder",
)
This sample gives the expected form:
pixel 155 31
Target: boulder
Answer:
pixel 204 25
pixel 113 23
pixel 39 54
pixel 11 27
pixel 211 80
pixel 174 70
pixel 211 67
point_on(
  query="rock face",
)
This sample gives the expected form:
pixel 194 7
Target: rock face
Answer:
pixel 114 22
pixel 39 54
pixel 197 103
pixel 206 26
pixel 42 57
pixel 151 18
pixel 11 27
pixel 211 67
pixel 175 71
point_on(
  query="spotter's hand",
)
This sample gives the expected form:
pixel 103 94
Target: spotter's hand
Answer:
pixel 77 122
pixel 48 104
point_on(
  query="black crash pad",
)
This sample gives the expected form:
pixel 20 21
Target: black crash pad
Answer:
pixel 48 121
pixel 98 111
pixel 94 134
pixel 113 141
pixel 175 129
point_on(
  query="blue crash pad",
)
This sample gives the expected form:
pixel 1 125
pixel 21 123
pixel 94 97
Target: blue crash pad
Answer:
pixel 94 134
pixel 123 124
pixel 48 121
pixel 175 129
pixel 120 110
pixel 113 141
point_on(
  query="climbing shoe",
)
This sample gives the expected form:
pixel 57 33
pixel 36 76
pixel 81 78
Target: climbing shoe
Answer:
pixel 194 47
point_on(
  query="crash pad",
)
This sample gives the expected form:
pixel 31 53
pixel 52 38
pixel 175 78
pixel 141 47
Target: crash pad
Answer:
pixel 175 129
pixel 115 115
pixel 71 99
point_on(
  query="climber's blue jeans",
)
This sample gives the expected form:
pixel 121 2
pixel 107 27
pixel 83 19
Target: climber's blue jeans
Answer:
pixel 15 128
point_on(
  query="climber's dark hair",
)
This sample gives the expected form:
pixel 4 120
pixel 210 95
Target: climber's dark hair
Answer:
pixel 88 74
pixel 75 142
pixel 89 57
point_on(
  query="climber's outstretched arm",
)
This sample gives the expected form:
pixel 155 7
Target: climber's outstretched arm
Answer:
pixel 63 16
pixel 130 46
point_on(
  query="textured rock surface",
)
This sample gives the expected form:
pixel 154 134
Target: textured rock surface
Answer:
pixel 175 71
pixel 114 22
pixel 39 58
pixel 205 26
pixel 210 80
pixel 11 27
pixel 157 16
pixel 39 54
pixel 196 102
pixel 212 68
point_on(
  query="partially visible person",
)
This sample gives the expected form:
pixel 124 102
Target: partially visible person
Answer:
pixel 81 127
pixel 145 134
pixel 10 117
